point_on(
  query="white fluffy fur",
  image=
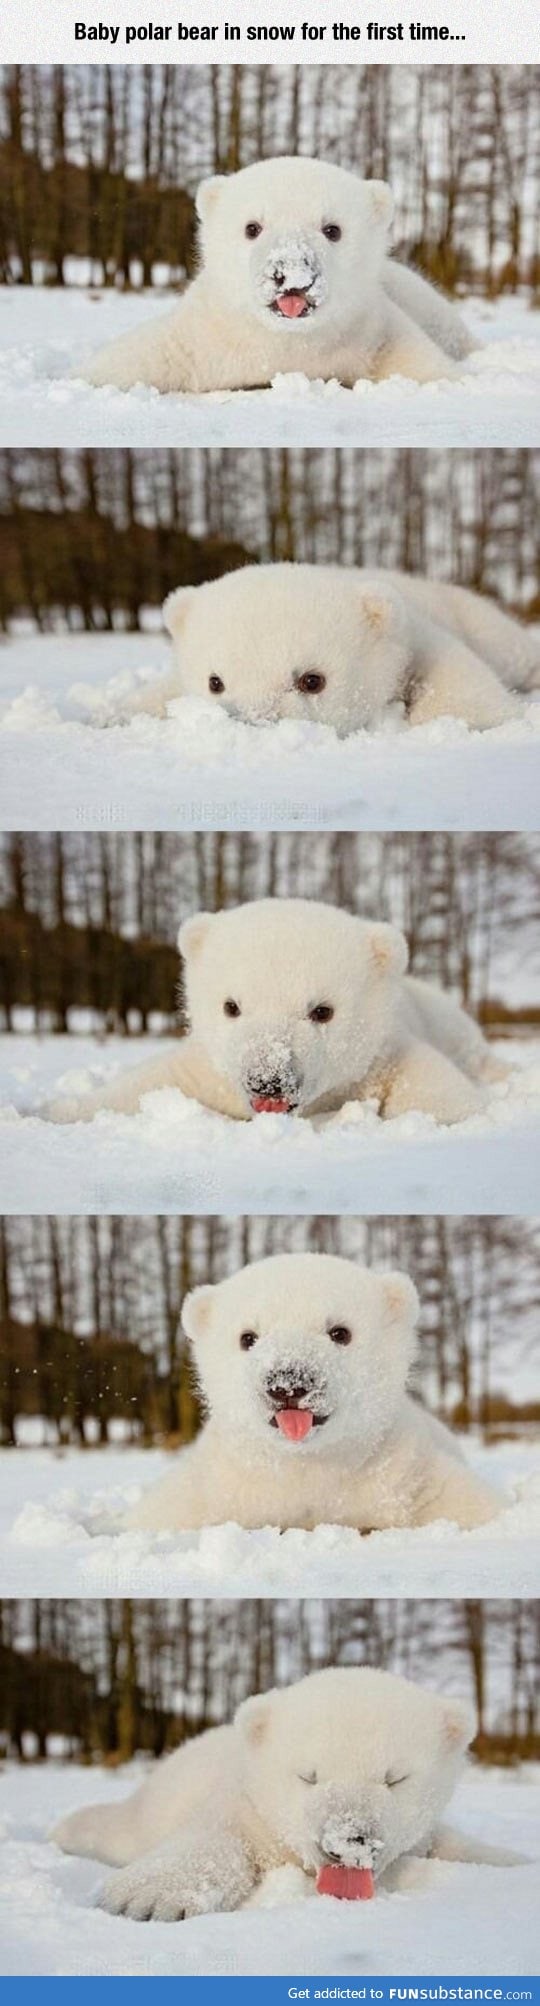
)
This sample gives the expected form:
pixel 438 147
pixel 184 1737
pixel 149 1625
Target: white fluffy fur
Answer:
pixel 373 1458
pixel 377 638
pixel 349 1762
pixel 392 1039
pixel 370 317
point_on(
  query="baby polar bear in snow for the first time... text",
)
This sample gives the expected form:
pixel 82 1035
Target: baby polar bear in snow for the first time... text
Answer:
pixel 340 646
pixel 297 1007
pixel 348 1772
pixel 294 276
pixel 302 1361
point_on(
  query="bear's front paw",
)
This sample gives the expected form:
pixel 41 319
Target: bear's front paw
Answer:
pixel 148 1892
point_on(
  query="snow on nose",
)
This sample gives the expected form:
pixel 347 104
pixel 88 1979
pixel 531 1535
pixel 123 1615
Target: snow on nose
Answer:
pixel 348 1838
pixel 286 1391
pixel 270 1078
pixel 291 279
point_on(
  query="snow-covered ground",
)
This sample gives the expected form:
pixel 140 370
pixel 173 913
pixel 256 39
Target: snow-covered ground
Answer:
pixel 176 1156
pixel 45 332
pixel 201 768
pixel 451 1919
pixel 60 1513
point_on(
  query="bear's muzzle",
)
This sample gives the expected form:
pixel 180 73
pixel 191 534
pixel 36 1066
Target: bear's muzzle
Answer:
pixel 291 284
pixel 273 1090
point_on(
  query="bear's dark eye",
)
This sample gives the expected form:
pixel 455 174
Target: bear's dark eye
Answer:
pixel 393 1781
pixel 340 1334
pixel 216 686
pixel 332 232
pixel 247 1339
pixel 231 1008
pixel 312 1778
pixel 311 683
pixel 321 1013
pixel 253 229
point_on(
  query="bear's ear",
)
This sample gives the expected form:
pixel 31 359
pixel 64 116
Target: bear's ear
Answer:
pixel 196 1312
pixel 382 202
pixel 458 1724
pixel 207 195
pixel 378 611
pixel 253 1717
pixel 400 1298
pixel 192 933
pixel 175 608
pixel 388 949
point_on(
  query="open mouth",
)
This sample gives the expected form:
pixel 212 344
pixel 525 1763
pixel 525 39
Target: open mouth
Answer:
pixel 296 1423
pixel 292 305
pixel 270 1104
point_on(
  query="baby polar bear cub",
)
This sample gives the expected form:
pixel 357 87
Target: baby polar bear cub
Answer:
pixel 294 276
pixel 339 646
pixel 344 1776
pixel 298 1007
pixel 302 1361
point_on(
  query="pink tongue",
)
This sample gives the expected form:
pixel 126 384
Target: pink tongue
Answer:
pixel 291 305
pixel 262 1104
pixel 347 1884
pixel 295 1423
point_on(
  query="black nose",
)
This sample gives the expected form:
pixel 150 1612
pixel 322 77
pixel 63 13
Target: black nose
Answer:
pixel 273 1089
pixel 287 1392
pixel 355 1839
pixel 278 277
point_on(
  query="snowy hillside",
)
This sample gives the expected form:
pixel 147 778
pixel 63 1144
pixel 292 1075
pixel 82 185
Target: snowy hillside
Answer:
pixel 46 333
pixel 177 1156
pixel 452 1918
pixel 59 1534
pixel 58 770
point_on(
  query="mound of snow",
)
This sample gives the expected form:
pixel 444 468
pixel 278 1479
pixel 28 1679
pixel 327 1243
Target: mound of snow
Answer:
pixel 58 769
pixel 494 401
pixel 61 1519
pixel 177 1156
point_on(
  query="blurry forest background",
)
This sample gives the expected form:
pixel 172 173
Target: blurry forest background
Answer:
pixel 92 1350
pixel 89 922
pixel 92 541
pixel 99 1681
pixel 100 163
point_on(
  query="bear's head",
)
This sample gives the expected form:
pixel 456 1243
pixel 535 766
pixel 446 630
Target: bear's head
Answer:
pixel 290 999
pixel 296 242
pixel 303 1352
pixel 293 641
pixel 351 1767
